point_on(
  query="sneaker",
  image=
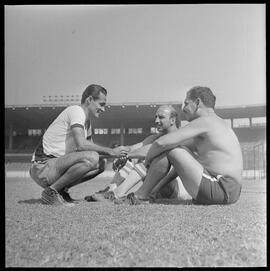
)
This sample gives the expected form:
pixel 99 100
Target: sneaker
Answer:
pixel 52 197
pixel 121 200
pixel 65 195
pixel 134 200
pixel 104 197
pixel 109 195
pixel 103 190
pixel 90 198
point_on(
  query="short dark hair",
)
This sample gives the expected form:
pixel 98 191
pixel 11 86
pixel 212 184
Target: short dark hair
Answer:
pixel 204 93
pixel 94 91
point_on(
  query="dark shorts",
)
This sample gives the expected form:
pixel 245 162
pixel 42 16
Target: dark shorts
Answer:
pixel 217 190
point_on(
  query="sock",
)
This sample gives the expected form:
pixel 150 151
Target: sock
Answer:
pixel 112 186
pixel 130 184
pixel 121 175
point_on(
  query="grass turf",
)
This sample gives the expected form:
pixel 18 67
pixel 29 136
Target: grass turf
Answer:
pixel 168 234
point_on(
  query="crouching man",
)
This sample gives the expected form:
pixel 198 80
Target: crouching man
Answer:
pixel 64 157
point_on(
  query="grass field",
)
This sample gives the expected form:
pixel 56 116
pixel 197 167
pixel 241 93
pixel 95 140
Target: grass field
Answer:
pixel 168 234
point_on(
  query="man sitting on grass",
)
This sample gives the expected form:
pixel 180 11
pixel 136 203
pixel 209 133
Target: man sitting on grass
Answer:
pixel 205 154
pixel 64 157
pixel 131 173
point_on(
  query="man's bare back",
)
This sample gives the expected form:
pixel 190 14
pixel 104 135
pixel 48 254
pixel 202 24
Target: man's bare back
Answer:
pixel 218 150
pixel 212 175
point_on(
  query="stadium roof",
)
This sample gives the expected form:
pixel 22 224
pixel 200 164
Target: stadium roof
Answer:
pixel 131 114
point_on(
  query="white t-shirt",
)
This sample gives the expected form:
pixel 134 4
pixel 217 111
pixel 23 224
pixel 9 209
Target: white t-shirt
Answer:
pixel 58 139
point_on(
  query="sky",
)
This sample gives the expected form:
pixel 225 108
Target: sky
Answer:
pixel 139 53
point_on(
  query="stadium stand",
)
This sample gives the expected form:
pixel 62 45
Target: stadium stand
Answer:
pixel 127 124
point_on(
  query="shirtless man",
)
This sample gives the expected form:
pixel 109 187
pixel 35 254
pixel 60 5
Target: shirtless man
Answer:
pixel 205 154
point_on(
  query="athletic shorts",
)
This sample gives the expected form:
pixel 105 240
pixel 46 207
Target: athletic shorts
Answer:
pixel 217 190
pixel 42 172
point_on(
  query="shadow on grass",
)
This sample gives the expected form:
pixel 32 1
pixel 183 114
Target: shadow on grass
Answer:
pixel 31 201
pixel 173 202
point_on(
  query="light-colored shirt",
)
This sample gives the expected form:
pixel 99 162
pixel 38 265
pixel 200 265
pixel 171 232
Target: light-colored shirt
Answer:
pixel 58 139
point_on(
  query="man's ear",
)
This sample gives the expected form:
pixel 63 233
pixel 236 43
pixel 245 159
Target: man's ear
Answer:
pixel 198 101
pixel 89 99
pixel 173 121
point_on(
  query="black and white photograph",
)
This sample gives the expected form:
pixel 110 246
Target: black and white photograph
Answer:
pixel 135 135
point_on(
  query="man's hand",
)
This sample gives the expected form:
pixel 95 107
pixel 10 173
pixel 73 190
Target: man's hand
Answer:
pixel 121 151
pixel 119 163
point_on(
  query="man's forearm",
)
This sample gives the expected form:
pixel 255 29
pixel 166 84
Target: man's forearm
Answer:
pixel 154 151
pixel 89 146
pixel 139 153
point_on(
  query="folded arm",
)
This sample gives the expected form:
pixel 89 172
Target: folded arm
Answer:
pixel 140 150
pixel 139 153
pixel 169 141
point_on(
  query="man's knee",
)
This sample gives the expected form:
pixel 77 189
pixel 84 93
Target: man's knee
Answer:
pixel 178 152
pixel 90 159
pixel 161 164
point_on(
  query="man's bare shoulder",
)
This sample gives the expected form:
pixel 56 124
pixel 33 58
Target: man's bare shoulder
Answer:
pixel 200 122
pixel 207 121
pixel 150 139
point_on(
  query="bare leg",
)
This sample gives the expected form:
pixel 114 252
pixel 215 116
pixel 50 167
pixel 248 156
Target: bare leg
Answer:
pixel 164 181
pixel 59 165
pixel 90 174
pixel 70 168
pixel 158 169
pixel 188 169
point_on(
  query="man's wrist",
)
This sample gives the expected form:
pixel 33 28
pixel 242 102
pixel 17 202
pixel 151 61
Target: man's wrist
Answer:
pixel 112 152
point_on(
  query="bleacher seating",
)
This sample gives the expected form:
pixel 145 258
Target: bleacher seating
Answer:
pixel 23 144
pixel 250 134
pixel 19 158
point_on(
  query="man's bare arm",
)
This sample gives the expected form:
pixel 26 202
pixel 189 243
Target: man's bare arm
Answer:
pixel 174 139
pixel 140 149
pixel 83 144
pixel 189 143
pixel 139 153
